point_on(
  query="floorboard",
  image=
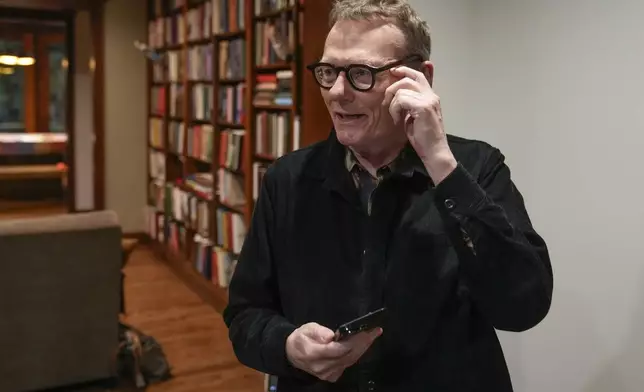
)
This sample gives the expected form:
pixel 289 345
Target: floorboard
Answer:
pixel 192 334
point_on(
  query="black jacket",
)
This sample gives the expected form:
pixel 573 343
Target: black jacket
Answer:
pixel 450 262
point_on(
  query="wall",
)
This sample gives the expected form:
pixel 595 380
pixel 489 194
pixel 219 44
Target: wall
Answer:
pixel 450 23
pixel 125 112
pixel 558 87
pixel 83 113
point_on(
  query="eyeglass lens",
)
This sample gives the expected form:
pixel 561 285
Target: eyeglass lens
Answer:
pixel 360 77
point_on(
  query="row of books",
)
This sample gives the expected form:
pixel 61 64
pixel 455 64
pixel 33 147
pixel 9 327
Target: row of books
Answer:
pixel 156 133
pixel 157 100
pixel 176 66
pixel 230 188
pixel 274 89
pixel 176 132
pixel 216 264
pixel 230 153
pixel 159 70
pixel 188 200
pixel 265 6
pixel 176 100
pixel 272 132
pixel 200 62
pixel 183 205
pixel 275 40
pixel 232 59
pixel 200 142
pixel 228 16
pixel 230 102
pixel 156 166
pixel 175 29
pixel 191 211
pixel 202 101
pixel 200 22
pixel 205 20
pixel 259 169
pixel 231 108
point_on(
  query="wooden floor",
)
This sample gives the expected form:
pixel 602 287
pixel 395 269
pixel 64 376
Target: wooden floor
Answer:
pixel 192 333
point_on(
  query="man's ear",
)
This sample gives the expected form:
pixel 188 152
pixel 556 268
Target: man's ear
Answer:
pixel 428 70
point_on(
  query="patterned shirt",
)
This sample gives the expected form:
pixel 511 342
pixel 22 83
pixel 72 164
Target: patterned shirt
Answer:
pixel 367 183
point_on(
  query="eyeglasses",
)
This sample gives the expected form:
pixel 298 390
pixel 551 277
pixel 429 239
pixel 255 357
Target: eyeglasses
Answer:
pixel 362 77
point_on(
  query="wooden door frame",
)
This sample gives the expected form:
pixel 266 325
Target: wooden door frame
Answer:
pixel 98 90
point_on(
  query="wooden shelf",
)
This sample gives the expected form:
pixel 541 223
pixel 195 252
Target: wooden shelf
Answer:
pixel 273 67
pixel 230 35
pixel 274 13
pixel 199 92
pixel 273 107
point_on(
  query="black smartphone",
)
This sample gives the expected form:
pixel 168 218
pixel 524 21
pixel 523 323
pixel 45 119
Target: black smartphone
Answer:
pixel 367 322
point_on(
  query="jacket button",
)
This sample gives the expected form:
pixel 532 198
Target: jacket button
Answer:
pixel 371 386
pixel 450 204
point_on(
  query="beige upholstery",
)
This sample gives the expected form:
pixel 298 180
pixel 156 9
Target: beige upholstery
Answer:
pixel 59 300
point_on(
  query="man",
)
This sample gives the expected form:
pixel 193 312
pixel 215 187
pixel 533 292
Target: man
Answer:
pixel 388 212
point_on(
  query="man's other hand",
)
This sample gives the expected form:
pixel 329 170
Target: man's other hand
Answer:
pixel 312 349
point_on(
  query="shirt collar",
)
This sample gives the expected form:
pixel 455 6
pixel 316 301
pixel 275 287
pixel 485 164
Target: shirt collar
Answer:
pixel 405 164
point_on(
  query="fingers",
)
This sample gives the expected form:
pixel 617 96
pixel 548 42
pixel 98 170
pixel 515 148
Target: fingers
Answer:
pixel 313 349
pixel 362 341
pixel 402 84
pixel 318 333
pixel 331 370
pixel 359 344
pixel 333 350
pixel 404 101
pixel 413 74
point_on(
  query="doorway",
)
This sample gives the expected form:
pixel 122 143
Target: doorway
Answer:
pixel 36 129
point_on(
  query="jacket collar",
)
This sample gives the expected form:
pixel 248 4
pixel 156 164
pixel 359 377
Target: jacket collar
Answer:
pixel 328 163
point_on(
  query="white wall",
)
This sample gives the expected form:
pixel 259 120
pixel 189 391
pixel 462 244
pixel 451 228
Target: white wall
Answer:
pixel 450 22
pixel 559 87
pixel 125 112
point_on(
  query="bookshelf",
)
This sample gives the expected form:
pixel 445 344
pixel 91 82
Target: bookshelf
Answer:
pixel 224 103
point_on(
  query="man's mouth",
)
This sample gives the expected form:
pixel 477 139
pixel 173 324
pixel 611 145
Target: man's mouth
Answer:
pixel 348 116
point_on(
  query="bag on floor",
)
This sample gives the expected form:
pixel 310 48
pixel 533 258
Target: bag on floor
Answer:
pixel 140 360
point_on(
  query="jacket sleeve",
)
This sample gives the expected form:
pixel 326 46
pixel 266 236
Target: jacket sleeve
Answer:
pixel 504 262
pixel 257 328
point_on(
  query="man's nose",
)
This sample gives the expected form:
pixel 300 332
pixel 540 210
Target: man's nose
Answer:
pixel 341 86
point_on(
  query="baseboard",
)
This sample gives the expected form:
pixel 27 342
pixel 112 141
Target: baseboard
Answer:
pixel 137 235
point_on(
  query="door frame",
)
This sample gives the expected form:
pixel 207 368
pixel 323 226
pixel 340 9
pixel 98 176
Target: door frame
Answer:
pixel 98 89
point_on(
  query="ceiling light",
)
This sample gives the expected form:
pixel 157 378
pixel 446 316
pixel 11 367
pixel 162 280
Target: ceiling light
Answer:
pixel 8 59
pixel 26 61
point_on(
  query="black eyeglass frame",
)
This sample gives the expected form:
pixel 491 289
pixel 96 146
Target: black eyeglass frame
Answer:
pixel 374 70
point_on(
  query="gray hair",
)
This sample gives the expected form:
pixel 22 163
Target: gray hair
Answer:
pixel 399 12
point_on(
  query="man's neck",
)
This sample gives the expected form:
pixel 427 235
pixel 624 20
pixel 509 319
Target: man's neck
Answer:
pixel 374 159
